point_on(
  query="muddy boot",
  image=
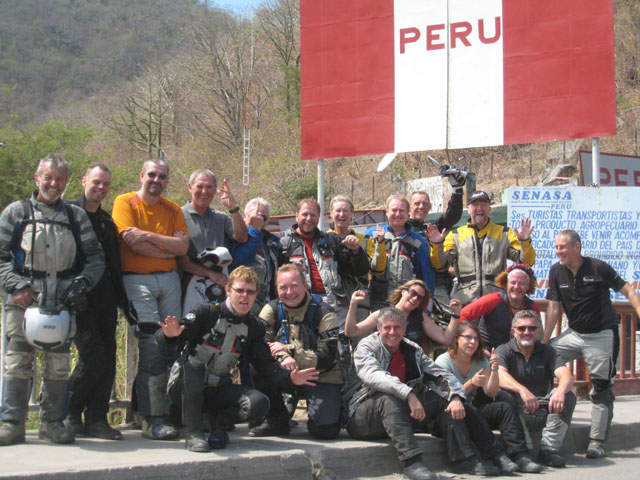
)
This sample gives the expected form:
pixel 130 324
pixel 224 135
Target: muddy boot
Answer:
pixel 55 432
pixel 195 441
pixel 272 427
pixel 15 404
pixel 52 398
pixel 73 422
pixel 11 433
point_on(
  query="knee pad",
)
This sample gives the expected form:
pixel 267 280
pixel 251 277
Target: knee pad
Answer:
pixel 194 372
pixel 323 432
pixel 18 344
pixel 601 392
pixel 56 366
pixel 257 405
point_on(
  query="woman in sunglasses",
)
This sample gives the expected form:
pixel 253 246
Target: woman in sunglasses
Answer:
pixel 412 299
pixel 479 376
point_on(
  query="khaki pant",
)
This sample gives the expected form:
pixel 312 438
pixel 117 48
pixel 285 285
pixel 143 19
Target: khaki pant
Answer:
pixel 19 355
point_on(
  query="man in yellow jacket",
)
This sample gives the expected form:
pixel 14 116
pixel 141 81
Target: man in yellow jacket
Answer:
pixel 479 250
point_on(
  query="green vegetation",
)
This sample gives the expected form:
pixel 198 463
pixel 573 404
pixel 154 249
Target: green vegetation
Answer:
pixel 22 149
pixel 57 51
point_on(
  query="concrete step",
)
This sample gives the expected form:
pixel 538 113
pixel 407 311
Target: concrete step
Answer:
pixel 297 456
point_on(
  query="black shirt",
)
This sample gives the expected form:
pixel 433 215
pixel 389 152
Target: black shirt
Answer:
pixel 446 220
pixel 537 373
pixel 110 288
pixel 585 298
pixel 415 330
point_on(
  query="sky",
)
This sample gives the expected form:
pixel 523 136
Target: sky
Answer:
pixel 239 6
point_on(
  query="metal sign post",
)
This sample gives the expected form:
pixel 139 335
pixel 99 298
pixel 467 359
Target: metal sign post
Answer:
pixel 595 161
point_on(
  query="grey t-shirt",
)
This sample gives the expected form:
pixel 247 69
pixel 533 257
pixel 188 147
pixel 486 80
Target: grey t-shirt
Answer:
pixel 210 230
pixel 446 362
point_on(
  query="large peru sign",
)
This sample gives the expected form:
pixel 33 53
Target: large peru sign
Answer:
pixel 381 76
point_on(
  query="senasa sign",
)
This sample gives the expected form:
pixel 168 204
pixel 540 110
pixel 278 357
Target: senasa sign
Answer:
pixel 380 76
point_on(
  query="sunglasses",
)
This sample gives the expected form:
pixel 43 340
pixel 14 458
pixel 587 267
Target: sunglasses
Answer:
pixel 161 176
pixel 470 338
pixel 525 328
pixel 244 291
pixel 413 293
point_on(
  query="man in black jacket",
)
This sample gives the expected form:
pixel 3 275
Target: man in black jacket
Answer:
pixel 212 340
pixel 419 208
pixel 92 379
pixel 326 257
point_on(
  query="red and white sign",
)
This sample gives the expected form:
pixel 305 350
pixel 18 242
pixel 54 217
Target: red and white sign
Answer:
pixel 615 170
pixel 382 76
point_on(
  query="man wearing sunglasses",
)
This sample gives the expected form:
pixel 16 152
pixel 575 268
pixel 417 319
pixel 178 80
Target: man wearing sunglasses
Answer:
pixel 152 234
pixel 581 286
pixel 213 340
pixel 261 250
pixel 527 370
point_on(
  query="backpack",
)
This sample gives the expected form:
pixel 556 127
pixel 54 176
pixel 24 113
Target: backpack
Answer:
pixel 309 316
pixel 29 219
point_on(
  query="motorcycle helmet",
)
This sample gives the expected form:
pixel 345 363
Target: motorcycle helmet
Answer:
pixel 46 330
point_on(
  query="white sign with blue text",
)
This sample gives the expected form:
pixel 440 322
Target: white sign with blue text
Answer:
pixel 607 220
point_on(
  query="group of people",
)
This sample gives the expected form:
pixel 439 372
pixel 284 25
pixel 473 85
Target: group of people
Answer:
pixel 340 318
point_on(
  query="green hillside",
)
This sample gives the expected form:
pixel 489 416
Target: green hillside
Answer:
pixel 58 51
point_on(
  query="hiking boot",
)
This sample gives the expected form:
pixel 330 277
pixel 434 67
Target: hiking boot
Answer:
pixel 195 441
pixel 527 465
pixel 485 469
pixel 158 428
pixel 218 439
pixel 74 424
pixel 55 432
pixel 268 429
pixel 102 430
pixel 11 433
pixel 504 463
pixel 551 458
pixel 418 471
pixel 595 449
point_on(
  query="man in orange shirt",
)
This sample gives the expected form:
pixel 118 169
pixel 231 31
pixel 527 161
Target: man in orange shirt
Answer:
pixel 152 233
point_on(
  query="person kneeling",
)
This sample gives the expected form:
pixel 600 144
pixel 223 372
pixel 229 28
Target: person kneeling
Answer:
pixel 302 331
pixel 212 339
pixel 402 390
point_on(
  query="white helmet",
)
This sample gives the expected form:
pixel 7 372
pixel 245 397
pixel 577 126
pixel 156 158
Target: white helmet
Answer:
pixel 215 257
pixel 45 329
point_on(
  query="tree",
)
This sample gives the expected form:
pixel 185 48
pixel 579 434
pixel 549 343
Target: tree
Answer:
pixel 279 21
pixel 148 115
pixel 230 84
pixel 22 150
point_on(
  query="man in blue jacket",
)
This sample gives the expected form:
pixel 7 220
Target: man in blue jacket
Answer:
pixel 407 253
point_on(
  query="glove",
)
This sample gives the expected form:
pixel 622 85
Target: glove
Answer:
pixel 76 295
pixel 458 179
